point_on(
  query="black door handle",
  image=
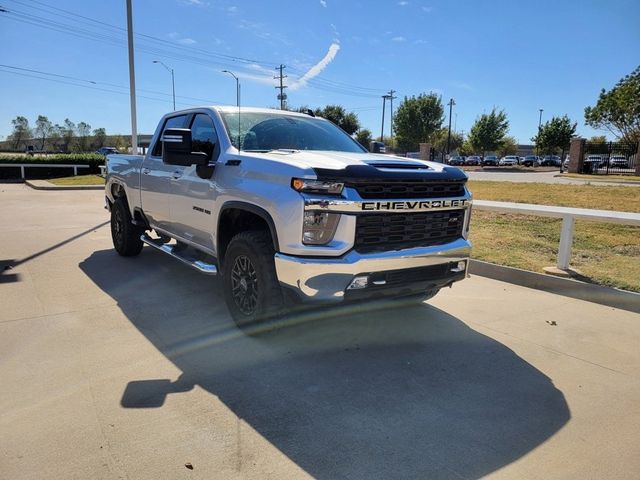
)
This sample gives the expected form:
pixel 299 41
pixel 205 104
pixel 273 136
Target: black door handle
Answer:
pixel 233 162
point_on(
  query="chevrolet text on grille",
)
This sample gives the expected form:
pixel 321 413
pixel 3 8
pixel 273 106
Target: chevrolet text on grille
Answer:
pixel 417 205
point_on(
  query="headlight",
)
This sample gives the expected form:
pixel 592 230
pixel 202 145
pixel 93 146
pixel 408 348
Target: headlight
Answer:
pixel 319 227
pixel 317 186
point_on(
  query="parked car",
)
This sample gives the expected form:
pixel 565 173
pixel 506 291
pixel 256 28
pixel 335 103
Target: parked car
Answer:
pixel 565 164
pixel 592 163
pixel 549 161
pixel 107 151
pixel 618 161
pixel 530 161
pixel 509 160
pixel 472 160
pixel 520 160
pixel 490 160
pixel 456 160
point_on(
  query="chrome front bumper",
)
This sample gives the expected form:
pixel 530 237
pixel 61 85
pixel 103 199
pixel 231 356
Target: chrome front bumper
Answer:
pixel 327 279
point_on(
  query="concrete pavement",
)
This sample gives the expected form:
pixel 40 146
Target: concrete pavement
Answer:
pixel 132 368
pixel 533 176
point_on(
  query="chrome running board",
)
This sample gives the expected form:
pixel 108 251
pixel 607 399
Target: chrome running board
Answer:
pixel 158 244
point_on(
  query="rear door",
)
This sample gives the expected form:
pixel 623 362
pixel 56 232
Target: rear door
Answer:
pixel 155 180
pixel 193 197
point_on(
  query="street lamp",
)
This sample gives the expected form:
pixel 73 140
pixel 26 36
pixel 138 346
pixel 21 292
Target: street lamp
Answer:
pixel 452 102
pixel 173 84
pixel 538 138
pixel 237 101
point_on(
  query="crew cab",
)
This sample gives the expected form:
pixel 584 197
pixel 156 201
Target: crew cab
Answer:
pixel 287 207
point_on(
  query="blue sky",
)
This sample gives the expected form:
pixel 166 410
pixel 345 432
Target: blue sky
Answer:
pixel 519 56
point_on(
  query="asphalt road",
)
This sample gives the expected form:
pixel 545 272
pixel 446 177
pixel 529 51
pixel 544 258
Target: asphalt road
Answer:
pixel 132 368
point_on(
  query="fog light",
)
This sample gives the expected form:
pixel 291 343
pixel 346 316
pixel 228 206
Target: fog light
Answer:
pixel 359 282
pixel 459 267
pixel 319 227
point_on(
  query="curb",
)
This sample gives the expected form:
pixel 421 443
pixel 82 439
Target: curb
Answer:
pixel 600 180
pixel 589 292
pixel 44 185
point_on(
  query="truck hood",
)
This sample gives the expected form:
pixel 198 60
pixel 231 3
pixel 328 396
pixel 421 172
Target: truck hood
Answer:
pixel 331 164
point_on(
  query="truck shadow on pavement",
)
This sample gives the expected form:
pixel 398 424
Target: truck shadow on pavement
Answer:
pixel 390 393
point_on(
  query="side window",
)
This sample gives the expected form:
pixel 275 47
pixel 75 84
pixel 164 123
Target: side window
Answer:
pixel 203 134
pixel 171 122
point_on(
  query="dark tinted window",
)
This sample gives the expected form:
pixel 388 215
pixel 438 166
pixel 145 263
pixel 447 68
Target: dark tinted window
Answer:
pixel 203 134
pixel 171 122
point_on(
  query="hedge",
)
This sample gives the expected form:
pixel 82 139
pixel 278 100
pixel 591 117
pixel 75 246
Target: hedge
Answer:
pixel 91 159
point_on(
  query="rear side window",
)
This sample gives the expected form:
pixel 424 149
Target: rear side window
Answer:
pixel 171 122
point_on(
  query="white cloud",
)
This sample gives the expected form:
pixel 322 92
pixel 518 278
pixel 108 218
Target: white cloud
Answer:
pixel 398 39
pixel 427 9
pixel 197 3
pixel 336 33
pixel 317 68
pixel 232 9
pixel 323 3
pixel 420 41
pixel 403 3
pixel 463 85
pixel 187 41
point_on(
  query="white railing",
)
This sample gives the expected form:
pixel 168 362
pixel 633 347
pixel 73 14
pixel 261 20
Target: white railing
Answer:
pixel 568 215
pixel 43 165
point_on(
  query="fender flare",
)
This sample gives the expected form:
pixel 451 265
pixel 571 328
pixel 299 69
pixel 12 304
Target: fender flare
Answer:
pixel 256 210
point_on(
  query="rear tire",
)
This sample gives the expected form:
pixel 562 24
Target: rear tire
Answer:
pixel 125 235
pixel 250 284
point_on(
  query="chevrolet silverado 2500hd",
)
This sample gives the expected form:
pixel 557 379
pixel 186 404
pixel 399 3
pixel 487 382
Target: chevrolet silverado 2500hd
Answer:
pixel 285 205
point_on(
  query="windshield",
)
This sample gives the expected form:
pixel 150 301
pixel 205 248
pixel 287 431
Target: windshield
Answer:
pixel 265 131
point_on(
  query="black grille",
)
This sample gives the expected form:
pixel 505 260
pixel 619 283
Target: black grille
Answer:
pixel 411 275
pixel 395 231
pixel 392 189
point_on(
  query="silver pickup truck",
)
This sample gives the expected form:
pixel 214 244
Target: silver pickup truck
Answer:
pixel 288 207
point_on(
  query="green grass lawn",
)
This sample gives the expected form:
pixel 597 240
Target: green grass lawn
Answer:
pixel 605 253
pixel 603 178
pixel 78 180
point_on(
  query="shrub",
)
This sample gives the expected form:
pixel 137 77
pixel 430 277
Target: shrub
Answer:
pixel 91 159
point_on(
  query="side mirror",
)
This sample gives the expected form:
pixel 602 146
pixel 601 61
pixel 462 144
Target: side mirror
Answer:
pixel 176 148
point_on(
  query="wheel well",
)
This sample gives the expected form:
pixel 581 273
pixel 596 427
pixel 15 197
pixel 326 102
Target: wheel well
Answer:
pixel 235 220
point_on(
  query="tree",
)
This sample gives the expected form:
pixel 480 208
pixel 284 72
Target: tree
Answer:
pixel 598 139
pixel 21 131
pixel 466 149
pixel 364 138
pixel 508 146
pixel 337 114
pixel 488 131
pixel 618 110
pixel 439 138
pixel 416 119
pixel 68 131
pixel 555 135
pixel 83 129
pixel 43 129
pixel 99 137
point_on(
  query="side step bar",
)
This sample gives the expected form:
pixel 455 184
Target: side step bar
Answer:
pixel 158 244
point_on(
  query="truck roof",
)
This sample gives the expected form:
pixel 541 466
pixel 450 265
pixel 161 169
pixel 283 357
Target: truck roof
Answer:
pixel 234 109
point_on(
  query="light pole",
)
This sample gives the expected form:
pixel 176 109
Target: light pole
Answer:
pixel 173 83
pixel 538 138
pixel 452 102
pixel 237 101
pixel 132 81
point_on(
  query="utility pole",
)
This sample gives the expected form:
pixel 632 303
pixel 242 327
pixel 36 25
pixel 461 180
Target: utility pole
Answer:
pixel 281 96
pixel 132 82
pixel 391 97
pixel 452 102
pixel 237 103
pixel 384 103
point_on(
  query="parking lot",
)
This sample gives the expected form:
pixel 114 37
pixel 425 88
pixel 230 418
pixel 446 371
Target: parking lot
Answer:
pixel 132 368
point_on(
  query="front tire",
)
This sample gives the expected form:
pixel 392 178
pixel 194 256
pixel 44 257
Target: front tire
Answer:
pixel 124 234
pixel 251 288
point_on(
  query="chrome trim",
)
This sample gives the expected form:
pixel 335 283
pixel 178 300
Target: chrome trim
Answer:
pixel 325 279
pixel 387 205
